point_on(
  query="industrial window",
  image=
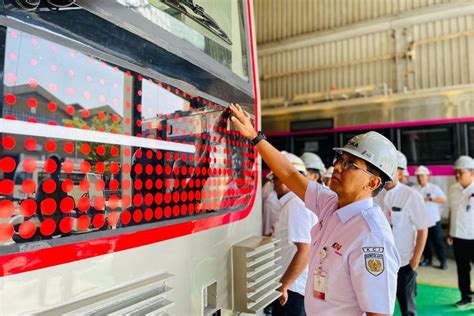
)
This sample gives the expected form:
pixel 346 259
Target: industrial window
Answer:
pixel 321 145
pixel 429 145
pixel 89 146
pixel 470 139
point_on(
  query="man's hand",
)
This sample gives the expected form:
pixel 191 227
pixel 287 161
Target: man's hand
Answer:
pixel 449 240
pixel 414 263
pixel 241 120
pixel 284 295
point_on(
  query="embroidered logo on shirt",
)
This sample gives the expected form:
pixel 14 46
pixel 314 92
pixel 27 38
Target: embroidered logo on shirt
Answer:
pixel 337 247
pixel 374 262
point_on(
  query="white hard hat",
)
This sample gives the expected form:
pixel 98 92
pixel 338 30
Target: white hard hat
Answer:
pixel 329 172
pixel 312 161
pixel 375 149
pixel 402 160
pixel 296 162
pixel 422 170
pixel 464 162
pixel 406 173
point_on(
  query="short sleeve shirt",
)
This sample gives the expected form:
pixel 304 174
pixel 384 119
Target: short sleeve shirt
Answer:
pixel 433 191
pixel 294 226
pixel 461 206
pixel 361 260
pixel 271 208
pixel 407 213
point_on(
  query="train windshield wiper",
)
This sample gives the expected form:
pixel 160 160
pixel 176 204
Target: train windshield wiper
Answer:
pixel 199 15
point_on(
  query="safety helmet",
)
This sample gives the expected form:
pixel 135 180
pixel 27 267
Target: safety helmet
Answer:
pixel 402 160
pixel 329 172
pixel 464 162
pixel 312 161
pixel 375 149
pixel 422 170
pixel 294 160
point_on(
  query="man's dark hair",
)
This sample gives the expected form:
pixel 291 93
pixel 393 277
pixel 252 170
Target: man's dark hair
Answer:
pixel 372 169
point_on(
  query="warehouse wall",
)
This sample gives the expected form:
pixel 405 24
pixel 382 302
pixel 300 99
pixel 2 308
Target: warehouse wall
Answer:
pixel 402 45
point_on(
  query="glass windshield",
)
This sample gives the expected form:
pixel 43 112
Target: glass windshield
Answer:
pixel 215 27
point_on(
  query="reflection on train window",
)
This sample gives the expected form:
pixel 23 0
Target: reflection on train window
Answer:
pixel 428 145
pixel 321 145
pixel 109 148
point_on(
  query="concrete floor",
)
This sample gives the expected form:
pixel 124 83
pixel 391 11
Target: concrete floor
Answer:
pixel 434 276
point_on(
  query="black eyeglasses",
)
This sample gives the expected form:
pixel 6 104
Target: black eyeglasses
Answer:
pixel 347 164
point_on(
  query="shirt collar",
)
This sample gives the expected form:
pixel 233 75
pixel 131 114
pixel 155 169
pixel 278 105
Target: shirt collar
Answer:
pixel 285 198
pixel 347 212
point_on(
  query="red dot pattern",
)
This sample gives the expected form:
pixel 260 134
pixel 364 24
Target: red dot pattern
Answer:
pixel 106 186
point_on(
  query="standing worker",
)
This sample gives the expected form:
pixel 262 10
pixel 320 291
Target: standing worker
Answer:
pixel 353 261
pixel 293 228
pixel 314 166
pixel 271 206
pixel 409 218
pixel 433 196
pixel 461 225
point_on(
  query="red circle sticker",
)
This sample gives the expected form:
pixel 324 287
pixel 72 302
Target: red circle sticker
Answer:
pixel 7 164
pixel 83 222
pixel 112 219
pixel 66 224
pixel 6 232
pixel 7 208
pixel 68 147
pixel 28 186
pixel 83 204
pixel 27 230
pixel 48 226
pixel 67 204
pixel 8 142
pixel 30 144
pixel 50 166
pixel 28 207
pixel 49 185
pixel 98 221
pixel 67 185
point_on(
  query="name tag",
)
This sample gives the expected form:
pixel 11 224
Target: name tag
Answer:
pixel 319 284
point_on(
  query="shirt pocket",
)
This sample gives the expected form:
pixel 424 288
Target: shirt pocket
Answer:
pixel 396 215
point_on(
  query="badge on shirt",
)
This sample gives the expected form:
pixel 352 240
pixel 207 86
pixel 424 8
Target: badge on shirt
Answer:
pixel 319 284
pixel 374 262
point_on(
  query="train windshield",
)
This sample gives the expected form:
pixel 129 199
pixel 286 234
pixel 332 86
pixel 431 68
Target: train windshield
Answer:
pixel 216 27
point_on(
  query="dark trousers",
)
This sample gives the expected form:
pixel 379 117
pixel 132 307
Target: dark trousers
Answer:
pixel 406 290
pixel 293 307
pixel 435 240
pixel 464 255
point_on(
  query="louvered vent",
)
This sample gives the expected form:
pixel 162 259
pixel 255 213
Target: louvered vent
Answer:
pixel 256 273
pixel 148 297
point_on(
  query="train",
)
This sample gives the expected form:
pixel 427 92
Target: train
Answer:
pixel 123 185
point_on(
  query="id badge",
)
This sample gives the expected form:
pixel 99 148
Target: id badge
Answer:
pixel 319 284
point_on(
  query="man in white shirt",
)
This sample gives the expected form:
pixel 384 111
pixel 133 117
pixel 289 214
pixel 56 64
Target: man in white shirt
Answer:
pixel 353 261
pixel 314 166
pixel 434 197
pixel 293 228
pixel 461 225
pixel 271 206
pixel 407 214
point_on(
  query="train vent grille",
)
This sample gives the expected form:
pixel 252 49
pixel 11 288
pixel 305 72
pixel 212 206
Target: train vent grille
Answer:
pixel 256 273
pixel 148 297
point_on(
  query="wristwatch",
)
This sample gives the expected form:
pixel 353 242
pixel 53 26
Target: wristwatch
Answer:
pixel 258 138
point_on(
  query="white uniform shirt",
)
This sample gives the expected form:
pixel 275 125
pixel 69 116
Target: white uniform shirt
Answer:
pixel 461 206
pixel 353 236
pixel 271 208
pixel 406 211
pixel 433 191
pixel 293 226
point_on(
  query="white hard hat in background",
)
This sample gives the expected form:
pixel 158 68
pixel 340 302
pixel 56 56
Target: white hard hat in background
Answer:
pixel 375 149
pixel 406 173
pixel 464 162
pixel 402 160
pixel 422 170
pixel 296 161
pixel 312 161
pixel 329 172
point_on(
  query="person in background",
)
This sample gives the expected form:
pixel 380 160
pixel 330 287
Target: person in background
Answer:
pixel 461 226
pixel 405 178
pixel 353 261
pixel 434 197
pixel 271 206
pixel 327 176
pixel 314 166
pixel 406 211
pixel 293 228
